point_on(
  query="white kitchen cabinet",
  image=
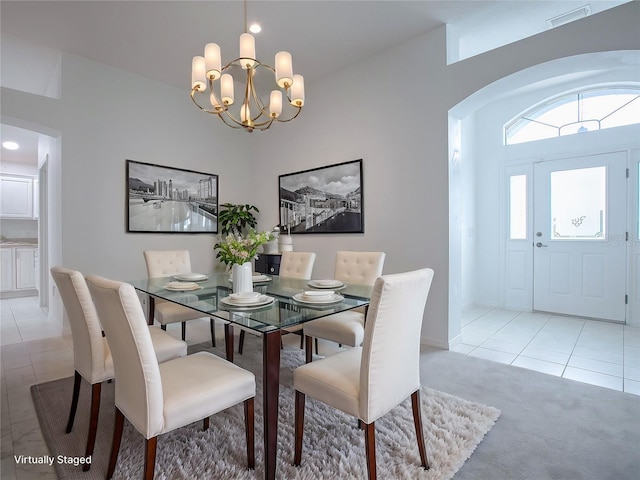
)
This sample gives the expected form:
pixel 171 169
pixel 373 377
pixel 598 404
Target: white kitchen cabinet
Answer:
pixel 16 196
pixel 25 268
pixel 6 269
pixel 18 270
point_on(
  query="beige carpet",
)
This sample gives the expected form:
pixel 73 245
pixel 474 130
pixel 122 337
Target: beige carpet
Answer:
pixel 333 446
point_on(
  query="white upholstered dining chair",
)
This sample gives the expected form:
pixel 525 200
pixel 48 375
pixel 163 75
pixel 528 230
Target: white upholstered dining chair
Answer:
pixel 368 381
pixel 158 398
pixel 297 264
pixel 292 265
pixel 164 263
pixel 346 328
pixel 92 358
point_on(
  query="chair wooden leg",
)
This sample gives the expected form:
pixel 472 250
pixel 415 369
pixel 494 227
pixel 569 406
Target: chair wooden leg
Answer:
pixel 77 379
pixel 205 423
pixel 370 446
pixel 184 331
pixel 163 327
pixel 299 427
pixel 150 446
pixel 241 342
pixel 308 348
pixel 96 388
pixel 212 326
pixel 115 443
pixel 417 420
pixel 317 347
pixel 249 429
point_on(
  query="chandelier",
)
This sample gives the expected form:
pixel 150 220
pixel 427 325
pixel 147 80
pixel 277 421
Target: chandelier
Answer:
pixel 208 78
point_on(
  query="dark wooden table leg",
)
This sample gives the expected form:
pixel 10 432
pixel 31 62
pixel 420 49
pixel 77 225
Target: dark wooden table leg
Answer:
pixel 152 309
pixel 228 340
pixel 271 391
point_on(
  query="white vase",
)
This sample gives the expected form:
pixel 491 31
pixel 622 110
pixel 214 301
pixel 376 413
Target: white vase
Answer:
pixel 241 276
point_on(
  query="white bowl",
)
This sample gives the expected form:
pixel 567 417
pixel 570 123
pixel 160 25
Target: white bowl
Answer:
pixel 245 297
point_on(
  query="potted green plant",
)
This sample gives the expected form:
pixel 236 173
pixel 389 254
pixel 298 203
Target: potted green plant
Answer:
pixel 237 218
pixel 238 242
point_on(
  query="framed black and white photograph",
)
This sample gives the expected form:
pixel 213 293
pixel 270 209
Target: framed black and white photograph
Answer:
pixel 323 200
pixel 164 199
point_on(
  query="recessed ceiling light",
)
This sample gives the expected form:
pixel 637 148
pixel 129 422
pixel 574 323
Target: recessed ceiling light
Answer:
pixel 10 145
pixel 255 28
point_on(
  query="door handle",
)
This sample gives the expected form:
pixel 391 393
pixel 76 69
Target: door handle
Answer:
pixel 540 244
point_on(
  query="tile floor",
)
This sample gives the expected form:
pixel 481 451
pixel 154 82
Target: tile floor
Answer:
pixel 33 350
pixel 589 351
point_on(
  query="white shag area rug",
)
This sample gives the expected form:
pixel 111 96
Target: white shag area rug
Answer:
pixel 333 445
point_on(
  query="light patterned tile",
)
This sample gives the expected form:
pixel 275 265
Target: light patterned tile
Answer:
pixel 546 355
pixel 593 378
pixel 607 368
pixel 539 365
pixel 632 386
pixel 493 355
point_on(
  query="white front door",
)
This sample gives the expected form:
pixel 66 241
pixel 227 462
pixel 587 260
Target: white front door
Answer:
pixel 579 253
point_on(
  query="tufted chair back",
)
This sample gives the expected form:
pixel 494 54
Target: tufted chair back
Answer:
pixel 90 350
pixel 360 268
pixel 297 264
pixel 390 368
pixel 163 263
pixel 139 394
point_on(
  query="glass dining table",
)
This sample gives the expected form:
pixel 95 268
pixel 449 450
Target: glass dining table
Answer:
pixel 284 312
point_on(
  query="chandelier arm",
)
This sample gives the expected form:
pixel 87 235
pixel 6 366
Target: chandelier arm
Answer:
pixel 289 119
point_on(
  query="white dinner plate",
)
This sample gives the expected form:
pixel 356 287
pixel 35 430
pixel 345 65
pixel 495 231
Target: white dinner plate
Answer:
pixel 335 298
pixel 325 283
pixel 257 279
pixel 263 300
pixel 182 286
pixel 191 277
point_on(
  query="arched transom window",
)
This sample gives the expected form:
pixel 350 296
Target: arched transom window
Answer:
pixel 578 112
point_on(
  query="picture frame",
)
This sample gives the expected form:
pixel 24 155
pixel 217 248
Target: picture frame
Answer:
pixel 162 199
pixel 325 199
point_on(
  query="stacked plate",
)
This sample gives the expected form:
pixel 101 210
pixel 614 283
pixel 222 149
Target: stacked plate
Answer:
pixel 326 283
pixel 247 300
pixel 318 296
pixel 257 278
pixel 182 286
pixel 191 277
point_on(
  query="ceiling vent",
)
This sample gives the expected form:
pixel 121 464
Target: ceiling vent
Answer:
pixel 576 14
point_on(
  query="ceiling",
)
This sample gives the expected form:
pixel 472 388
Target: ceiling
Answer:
pixel 158 39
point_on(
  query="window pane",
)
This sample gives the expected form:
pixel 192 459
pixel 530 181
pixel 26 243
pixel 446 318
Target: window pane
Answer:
pixel 578 112
pixel 518 207
pixel 578 204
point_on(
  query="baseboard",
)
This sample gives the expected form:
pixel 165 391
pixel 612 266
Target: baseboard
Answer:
pixel 19 293
pixel 432 342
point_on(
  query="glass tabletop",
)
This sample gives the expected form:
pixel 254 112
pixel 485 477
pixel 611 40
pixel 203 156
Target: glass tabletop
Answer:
pixel 212 300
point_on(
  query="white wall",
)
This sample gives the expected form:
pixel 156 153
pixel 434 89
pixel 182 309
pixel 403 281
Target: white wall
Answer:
pixel 391 110
pixel 106 116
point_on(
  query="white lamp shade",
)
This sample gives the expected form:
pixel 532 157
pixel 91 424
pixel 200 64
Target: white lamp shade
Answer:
pixel 214 101
pixel 245 112
pixel 197 74
pixel 226 89
pixel 212 60
pixel 247 50
pixel 297 91
pixel 275 103
pixel 284 69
